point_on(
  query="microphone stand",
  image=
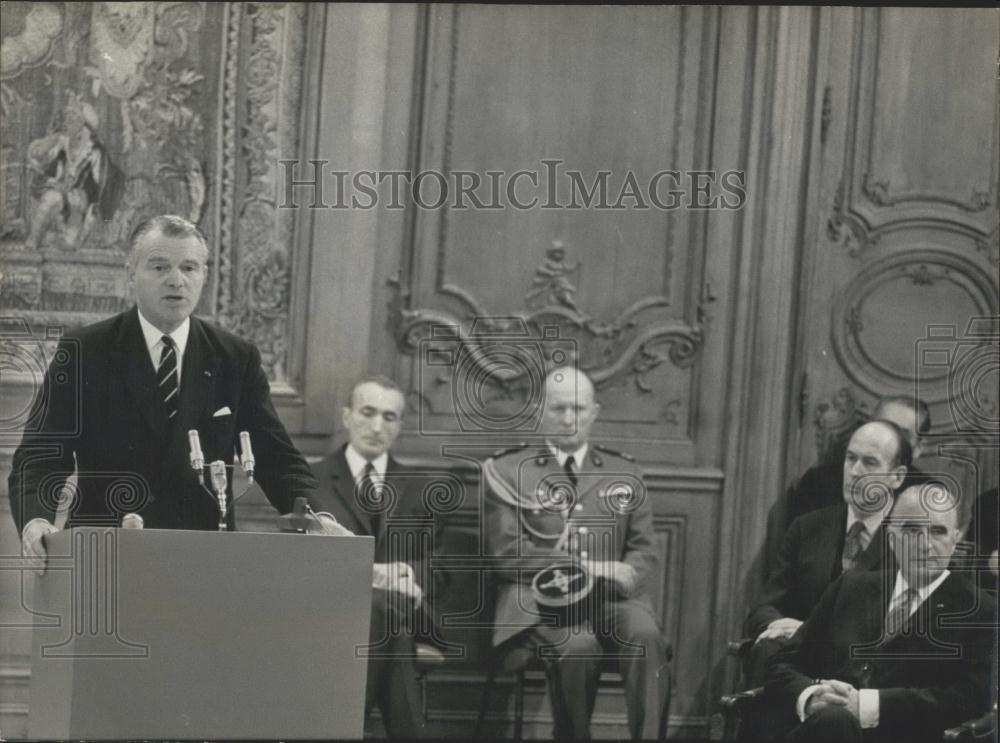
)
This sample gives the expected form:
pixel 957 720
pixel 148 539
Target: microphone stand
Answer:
pixel 219 483
pixel 219 478
pixel 218 472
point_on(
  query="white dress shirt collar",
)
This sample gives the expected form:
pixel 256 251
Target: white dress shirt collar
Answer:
pixel 357 463
pixel 154 340
pixel 871 521
pixel 561 456
pixel 922 593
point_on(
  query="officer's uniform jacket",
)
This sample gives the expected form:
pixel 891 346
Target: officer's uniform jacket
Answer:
pixel 533 520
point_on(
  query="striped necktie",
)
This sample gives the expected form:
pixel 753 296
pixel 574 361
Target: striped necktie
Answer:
pixel 899 612
pixel 854 545
pixel 166 377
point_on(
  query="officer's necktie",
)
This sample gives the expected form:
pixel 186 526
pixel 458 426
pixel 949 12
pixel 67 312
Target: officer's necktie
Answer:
pixel 853 545
pixel 166 377
pixel 899 612
pixel 570 471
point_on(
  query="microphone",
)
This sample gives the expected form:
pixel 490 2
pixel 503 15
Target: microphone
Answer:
pixel 132 521
pixel 197 458
pixel 219 483
pixel 246 455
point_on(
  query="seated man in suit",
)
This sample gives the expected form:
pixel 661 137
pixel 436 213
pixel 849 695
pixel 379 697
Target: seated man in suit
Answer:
pixel 820 545
pixel 821 486
pixel 568 500
pixel 365 488
pixel 894 655
pixel 122 394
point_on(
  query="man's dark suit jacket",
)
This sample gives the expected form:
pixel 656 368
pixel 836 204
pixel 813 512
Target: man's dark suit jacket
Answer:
pixel 808 560
pixel 403 531
pixel 928 681
pixel 336 495
pixel 101 407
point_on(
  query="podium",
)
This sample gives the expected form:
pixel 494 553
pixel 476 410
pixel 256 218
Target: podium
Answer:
pixel 189 634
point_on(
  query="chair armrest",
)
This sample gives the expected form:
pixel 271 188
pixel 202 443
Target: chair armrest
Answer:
pixel 740 647
pixel 428 657
pixel 741 700
pixel 979 728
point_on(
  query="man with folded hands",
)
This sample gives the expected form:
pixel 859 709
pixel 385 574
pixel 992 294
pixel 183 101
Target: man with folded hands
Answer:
pixel 569 501
pixel 365 489
pixel 900 654
pixel 822 544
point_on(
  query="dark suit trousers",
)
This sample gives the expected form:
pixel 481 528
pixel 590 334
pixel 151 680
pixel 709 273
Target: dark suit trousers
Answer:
pixel 626 634
pixel 755 663
pixel 837 725
pixel 830 725
pixel 392 675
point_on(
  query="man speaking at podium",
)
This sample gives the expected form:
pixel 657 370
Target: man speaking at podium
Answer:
pixel 117 407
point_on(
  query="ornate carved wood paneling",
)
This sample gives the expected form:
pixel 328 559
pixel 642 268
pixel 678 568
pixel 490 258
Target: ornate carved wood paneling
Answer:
pixel 881 322
pixel 922 134
pixel 835 421
pixel 903 279
pixel 488 298
pixel 113 112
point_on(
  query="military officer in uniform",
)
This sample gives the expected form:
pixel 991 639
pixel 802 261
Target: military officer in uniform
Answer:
pixel 566 516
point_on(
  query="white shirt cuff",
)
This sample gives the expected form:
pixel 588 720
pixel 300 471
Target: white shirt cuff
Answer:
pixel 35 520
pixel 803 700
pixel 868 707
pixel 329 525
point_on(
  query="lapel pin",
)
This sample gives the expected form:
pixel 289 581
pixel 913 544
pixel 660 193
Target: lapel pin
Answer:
pixel 208 373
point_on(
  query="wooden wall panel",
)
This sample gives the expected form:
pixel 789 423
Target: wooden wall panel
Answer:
pixel 904 258
pixel 933 136
pixel 620 286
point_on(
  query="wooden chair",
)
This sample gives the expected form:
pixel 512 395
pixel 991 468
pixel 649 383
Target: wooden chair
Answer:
pixel 525 666
pixel 428 658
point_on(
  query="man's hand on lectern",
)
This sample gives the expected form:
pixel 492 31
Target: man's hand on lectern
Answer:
pixel 327 524
pixel 399 577
pixel 32 546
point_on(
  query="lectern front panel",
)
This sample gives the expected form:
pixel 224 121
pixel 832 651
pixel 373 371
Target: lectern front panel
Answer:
pixel 182 634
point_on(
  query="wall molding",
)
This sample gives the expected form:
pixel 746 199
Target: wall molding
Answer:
pixel 921 268
pixel 867 206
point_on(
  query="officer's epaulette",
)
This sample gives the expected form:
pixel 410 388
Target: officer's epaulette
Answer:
pixel 623 455
pixel 509 449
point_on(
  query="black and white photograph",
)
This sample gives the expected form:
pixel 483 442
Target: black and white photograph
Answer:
pixel 499 371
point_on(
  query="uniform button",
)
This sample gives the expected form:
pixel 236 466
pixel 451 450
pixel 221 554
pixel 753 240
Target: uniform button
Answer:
pixel 535 511
pixel 583 554
pixel 578 507
pixel 582 530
